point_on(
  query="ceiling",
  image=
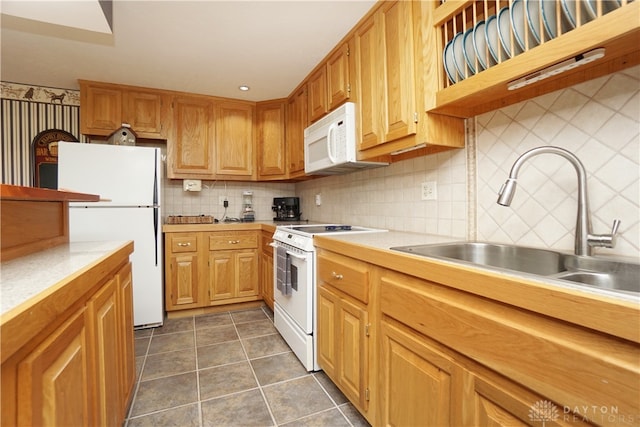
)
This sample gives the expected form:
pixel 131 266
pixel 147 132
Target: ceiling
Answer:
pixel 207 47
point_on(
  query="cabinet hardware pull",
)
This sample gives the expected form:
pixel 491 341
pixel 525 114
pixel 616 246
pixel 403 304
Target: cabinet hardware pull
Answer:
pixel 184 244
pixel 234 242
pixel 336 275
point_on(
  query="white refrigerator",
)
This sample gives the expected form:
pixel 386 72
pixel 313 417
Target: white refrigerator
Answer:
pixel 130 178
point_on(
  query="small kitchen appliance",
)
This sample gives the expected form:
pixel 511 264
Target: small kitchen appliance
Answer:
pixel 248 214
pixel 294 276
pixel 330 144
pixel 286 208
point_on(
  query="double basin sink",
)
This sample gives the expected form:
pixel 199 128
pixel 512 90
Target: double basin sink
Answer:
pixel 602 273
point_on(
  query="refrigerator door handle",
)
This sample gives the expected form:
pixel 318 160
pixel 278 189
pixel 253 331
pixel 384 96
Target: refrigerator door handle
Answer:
pixel 155 231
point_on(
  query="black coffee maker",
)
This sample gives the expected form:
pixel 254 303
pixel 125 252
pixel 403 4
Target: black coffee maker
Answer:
pixel 286 208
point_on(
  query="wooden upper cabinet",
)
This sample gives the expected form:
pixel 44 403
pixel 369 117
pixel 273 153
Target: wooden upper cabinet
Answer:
pixel 317 94
pixel 270 144
pixel 234 139
pixel 105 107
pixel 397 56
pixel 100 109
pixel 338 76
pixel 296 123
pixel 369 83
pixel 145 112
pixel 190 153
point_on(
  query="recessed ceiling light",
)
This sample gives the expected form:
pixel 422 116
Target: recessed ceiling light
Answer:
pixel 244 88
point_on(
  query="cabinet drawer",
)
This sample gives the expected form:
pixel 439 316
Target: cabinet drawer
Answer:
pixel 184 243
pixel 345 274
pixel 235 240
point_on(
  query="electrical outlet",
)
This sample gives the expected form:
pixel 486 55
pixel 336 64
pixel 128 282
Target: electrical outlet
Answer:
pixel 429 190
pixel 221 200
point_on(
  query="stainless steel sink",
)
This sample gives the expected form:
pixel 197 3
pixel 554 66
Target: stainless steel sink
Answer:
pixel 592 271
pixel 603 273
pixel 528 260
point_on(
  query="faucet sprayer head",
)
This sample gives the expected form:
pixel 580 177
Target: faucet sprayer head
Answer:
pixel 505 195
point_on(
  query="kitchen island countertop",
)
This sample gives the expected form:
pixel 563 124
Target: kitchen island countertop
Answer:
pixel 32 276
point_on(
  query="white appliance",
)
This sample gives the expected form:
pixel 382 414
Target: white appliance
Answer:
pixel 294 267
pixel 129 177
pixel 330 144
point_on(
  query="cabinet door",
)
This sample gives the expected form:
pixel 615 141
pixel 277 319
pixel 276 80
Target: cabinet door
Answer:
pixel 296 123
pixel 144 112
pixel 101 112
pixel 183 281
pixel 234 139
pixel 126 339
pixel 369 80
pixel 266 281
pixel 327 341
pixel 271 140
pixel 338 83
pixel 221 275
pixel 190 153
pixel 342 344
pixel 103 325
pixel 397 57
pixel 53 382
pixel 317 94
pixel 247 273
pixel 416 380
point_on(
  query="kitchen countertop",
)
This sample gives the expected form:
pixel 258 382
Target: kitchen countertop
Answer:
pixel 32 276
pixel 600 309
pixel 229 226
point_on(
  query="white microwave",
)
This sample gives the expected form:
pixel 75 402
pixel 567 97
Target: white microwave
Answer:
pixel 330 144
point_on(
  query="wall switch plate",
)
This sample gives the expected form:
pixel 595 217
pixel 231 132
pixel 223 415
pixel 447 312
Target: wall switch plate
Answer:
pixel 318 199
pixel 429 190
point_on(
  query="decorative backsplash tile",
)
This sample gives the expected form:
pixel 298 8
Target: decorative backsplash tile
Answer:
pixel 598 121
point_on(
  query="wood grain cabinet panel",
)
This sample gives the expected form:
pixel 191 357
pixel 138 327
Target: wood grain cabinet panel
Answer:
pixel 271 140
pixel 338 76
pixel 54 382
pixel 317 94
pixel 344 327
pixel 297 121
pixel 104 323
pixel 233 263
pixel 235 140
pixel 105 107
pixel 191 152
pixel 183 271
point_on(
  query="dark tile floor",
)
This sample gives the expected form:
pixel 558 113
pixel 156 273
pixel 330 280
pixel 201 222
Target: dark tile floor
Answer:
pixel 229 369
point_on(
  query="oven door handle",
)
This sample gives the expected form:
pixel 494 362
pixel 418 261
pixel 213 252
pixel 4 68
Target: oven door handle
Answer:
pixel 294 255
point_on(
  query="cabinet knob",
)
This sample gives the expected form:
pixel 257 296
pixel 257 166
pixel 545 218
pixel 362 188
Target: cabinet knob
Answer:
pixel 184 244
pixel 336 275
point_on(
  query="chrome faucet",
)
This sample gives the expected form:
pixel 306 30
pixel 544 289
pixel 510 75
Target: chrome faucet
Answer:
pixel 584 239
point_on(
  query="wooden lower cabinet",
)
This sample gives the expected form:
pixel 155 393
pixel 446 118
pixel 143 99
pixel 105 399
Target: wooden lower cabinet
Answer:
pixel 266 268
pixel 416 380
pixel 344 326
pixel 343 345
pixel 183 271
pixel 233 275
pixel 82 372
pixel 53 381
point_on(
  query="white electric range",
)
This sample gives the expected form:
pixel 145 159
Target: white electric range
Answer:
pixel 295 285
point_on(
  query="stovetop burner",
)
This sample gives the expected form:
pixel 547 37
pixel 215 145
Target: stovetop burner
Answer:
pixel 319 229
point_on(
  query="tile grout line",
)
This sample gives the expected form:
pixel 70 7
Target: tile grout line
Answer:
pixel 335 404
pixel 195 350
pixel 138 378
pixel 246 355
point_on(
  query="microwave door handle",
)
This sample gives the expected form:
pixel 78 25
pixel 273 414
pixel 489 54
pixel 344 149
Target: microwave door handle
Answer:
pixel 331 142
